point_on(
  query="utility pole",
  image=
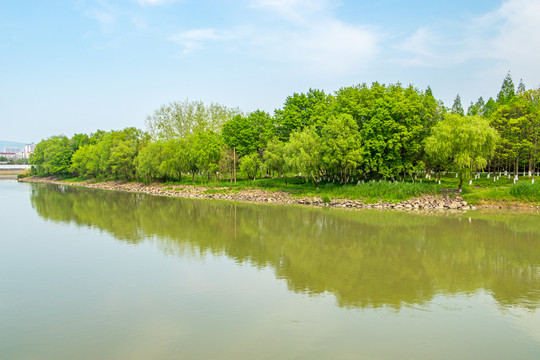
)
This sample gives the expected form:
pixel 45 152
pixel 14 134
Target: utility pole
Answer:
pixel 234 156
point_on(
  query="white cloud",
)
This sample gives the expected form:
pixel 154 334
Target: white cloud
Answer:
pixel 506 35
pixel 155 2
pixel 517 41
pixel 195 39
pixel 299 11
pixel 105 18
pixel 301 33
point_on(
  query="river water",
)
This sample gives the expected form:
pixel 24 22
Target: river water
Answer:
pixel 93 274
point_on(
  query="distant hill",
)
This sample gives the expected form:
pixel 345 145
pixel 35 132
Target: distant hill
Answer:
pixel 4 143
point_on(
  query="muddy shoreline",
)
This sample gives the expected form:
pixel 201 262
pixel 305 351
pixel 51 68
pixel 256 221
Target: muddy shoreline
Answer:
pixel 428 202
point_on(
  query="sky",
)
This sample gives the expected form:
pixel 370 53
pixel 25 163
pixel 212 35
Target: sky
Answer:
pixel 75 66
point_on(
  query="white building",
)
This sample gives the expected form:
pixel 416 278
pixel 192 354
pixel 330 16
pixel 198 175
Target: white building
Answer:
pixel 9 155
pixel 28 149
pixel 15 150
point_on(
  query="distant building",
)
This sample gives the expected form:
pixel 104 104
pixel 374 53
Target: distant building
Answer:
pixel 28 149
pixel 15 150
pixel 9 155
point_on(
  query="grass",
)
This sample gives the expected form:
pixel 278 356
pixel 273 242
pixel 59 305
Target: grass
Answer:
pixel 526 191
pixel 482 190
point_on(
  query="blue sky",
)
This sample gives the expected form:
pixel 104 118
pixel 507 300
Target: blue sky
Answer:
pixel 71 66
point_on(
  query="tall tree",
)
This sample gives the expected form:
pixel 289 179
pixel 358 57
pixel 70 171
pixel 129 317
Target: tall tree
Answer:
pixel 465 142
pixel 521 87
pixel 183 118
pixel 303 154
pixel 507 92
pixel 393 122
pixel 489 108
pixel 341 146
pixel 457 108
pixel 300 111
pixel 249 134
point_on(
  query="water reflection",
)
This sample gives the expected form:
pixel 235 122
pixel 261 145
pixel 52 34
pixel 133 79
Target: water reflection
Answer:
pixel 367 259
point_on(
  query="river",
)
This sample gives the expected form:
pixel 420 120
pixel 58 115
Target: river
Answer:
pixel 94 274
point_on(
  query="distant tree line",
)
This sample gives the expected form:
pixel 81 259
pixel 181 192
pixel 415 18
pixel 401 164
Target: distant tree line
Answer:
pixel 357 133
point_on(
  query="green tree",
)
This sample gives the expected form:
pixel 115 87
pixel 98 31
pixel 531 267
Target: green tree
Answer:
pixel 489 108
pixel 303 154
pixel 465 142
pixel 341 146
pixel 521 87
pixel 52 156
pixel 251 164
pixel 206 149
pixel 274 156
pixel 300 111
pixel 149 161
pixel 180 119
pixel 238 133
pixel 457 108
pixel 507 92
pixel 393 122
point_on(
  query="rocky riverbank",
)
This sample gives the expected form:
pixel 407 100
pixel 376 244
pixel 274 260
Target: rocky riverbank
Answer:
pixel 430 202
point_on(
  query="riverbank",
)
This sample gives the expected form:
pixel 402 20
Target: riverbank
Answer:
pixel 426 202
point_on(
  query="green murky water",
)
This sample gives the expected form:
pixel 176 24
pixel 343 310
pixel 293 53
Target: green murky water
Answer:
pixel 89 274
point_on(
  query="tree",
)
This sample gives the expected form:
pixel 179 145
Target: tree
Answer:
pixel 465 142
pixel 303 154
pixel 489 108
pixel 180 119
pixel 149 161
pixel 507 92
pixel 251 164
pixel 341 145
pixel 85 161
pixel 300 111
pixel 274 156
pixel 457 108
pixel 248 134
pixel 521 87
pixel 206 149
pixel 52 156
pixel 393 122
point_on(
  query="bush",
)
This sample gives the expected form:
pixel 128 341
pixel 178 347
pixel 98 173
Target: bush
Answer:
pixel 526 190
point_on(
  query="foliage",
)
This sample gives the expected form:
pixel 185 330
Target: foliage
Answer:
pixel 393 122
pixel 507 92
pixel 248 134
pixel 52 156
pixel 359 133
pixel 251 165
pixel 183 118
pixel 301 111
pixel 341 145
pixel 526 191
pixel 457 108
pixel 274 156
pixel 465 142
pixel 303 153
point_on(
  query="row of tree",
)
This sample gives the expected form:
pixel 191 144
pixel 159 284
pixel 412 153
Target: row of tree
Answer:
pixel 361 132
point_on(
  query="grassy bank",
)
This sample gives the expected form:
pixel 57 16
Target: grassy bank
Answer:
pixel 483 191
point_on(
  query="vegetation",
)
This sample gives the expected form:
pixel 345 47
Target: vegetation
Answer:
pixel 389 137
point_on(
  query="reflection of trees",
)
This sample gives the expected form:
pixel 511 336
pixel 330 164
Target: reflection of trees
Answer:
pixel 366 259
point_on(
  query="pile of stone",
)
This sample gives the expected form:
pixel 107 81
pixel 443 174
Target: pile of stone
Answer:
pixel 444 202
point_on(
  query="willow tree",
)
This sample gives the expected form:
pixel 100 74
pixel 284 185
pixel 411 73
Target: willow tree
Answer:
pixel 183 118
pixel 465 142
pixel 303 154
pixel 342 151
